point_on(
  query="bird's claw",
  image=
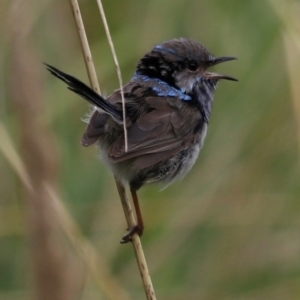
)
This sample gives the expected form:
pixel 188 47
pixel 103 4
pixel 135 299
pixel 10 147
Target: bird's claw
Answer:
pixel 137 229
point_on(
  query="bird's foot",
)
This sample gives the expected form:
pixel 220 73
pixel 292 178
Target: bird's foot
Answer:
pixel 133 230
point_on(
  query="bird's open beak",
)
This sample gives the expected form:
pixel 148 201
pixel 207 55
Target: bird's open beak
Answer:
pixel 217 61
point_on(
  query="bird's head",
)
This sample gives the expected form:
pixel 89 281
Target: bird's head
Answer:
pixel 182 63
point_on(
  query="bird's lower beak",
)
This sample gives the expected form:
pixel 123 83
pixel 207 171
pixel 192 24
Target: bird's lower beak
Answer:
pixel 219 76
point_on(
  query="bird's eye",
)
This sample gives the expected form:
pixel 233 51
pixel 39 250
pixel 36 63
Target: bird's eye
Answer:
pixel 192 65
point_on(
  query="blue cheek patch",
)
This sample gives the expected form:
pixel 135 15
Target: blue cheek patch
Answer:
pixel 161 88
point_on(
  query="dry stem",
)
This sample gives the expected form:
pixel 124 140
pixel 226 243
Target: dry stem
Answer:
pixel 112 48
pixel 140 257
pixel 136 242
pixel 85 46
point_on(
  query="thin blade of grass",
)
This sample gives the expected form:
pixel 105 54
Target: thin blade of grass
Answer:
pixel 112 48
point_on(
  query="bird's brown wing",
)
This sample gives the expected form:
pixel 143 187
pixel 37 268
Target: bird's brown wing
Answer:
pixel 97 121
pixel 157 135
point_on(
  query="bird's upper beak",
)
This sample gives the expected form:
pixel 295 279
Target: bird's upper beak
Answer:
pixel 217 61
pixel 222 59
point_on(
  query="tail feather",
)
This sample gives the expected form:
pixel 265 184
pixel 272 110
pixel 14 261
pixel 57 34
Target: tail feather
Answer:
pixel 86 92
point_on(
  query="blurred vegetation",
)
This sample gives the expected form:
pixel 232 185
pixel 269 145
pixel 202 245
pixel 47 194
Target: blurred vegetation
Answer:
pixel 229 230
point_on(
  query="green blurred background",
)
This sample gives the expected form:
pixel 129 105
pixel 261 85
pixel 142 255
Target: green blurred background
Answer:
pixel 229 230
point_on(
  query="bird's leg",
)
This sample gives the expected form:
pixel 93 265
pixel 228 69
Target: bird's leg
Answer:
pixel 139 227
pixel 140 222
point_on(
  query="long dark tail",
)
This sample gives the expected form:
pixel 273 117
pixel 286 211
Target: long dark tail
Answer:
pixel 86 92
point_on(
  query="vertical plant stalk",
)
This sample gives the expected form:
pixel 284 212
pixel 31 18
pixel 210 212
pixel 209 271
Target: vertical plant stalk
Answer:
pixel 288 16
pixel 136 242
pixel 138 249
pixel 112 48
pixel 88 59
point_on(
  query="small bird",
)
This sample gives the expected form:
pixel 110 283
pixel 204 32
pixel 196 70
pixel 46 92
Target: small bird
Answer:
pixel 168 107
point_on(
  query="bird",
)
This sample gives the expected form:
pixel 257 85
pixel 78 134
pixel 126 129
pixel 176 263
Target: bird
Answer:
pixel 168 104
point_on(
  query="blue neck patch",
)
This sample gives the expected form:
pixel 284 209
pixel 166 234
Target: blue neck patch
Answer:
pixel 160 87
